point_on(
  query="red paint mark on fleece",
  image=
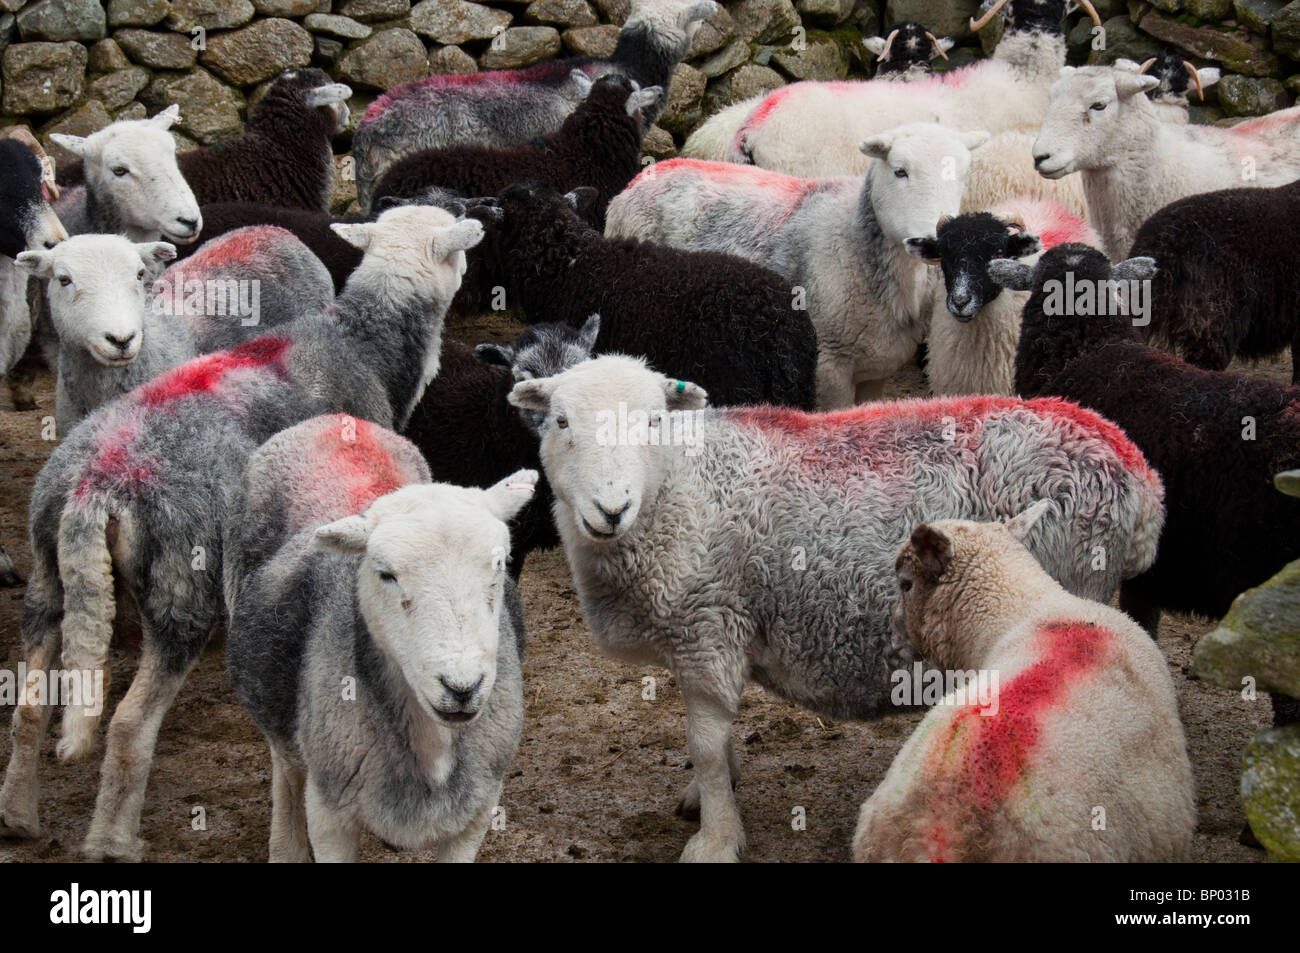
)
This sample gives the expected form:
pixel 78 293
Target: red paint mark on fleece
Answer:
pixel 832 428
pixel 206 374
pixel 242 246
pixel 1059 227
pixel 362 469
pixel 115 466
pixel 1266 125
pixel 732 174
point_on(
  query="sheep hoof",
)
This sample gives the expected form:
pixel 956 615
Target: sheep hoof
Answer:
pixel 111 849
pixel 25 826
pixel 688 807
pixel 1247 838
pixel 73 747
pixel 710 848
pixel 9 578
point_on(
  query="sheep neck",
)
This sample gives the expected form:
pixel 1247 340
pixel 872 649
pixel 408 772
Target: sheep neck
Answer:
pixel 895 279
pixel 1033 53
pixel 103 216
pixel 1119 192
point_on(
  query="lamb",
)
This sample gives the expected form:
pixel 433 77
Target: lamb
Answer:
pixel 757 542
pixel 1002 92
pixel 1178 77
pixel 1134 164
pixel 974 323
pixel 841 240
pixel 720 320
pixel 407 591
pixel 599 145
pixel 506 108
pixel 133 185
pixel 1216 543
pixel 471 434
pixel 140 491
pixel 1215 297
pixel 1083 714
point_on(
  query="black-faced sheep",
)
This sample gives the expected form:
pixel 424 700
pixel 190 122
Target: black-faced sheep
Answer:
pixel 728 324
pixel 904 53
pixel 599 146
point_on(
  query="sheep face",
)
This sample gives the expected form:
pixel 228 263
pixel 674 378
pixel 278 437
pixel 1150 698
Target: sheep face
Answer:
pixel 132 165
pixel 963 249
pixel 1084 127
pixel 1177 78
pixel 97 291
pixel 904 53
pixel 423 243
pixel 605 440
pixel 920 176
pixel 674 21
pixel 299 89
pixel 430 584
pixel 30 222
pixel 544 350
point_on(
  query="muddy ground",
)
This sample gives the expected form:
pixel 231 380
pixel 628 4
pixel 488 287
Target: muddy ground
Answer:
pixel 599 769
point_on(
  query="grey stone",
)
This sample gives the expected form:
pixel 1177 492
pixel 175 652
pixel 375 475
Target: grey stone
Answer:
pixel 658 144
pixel 84 121
pixel 137 12
pixel 615 11
pixel 375 11
pixel 1250 96
pixel 1209 9
pixel 521 46
pixel 106 56
pixel 345 28
pixel 712 34
pixel 6 30
pixel 765 21
pixel 284 8
pixel 562 13
pixel 941 17
pixel 451 60
pixel 1270 791
pixel 591 40
pixel 1259 638
pixel 118 88
pixel 819 60
pixel 1257 15
pixel 189 15
pixel 1123 41
pixel 59 20
pixel 13 6
pixel 750 80
pixel 825 13
pixel 1235 49
pixel 684 100
pixel 455 21
pixel 156 50
pixel 327 51
pixel 258 51
pixel 42 77
pixel 734 54
pixel 1168 6
pixel 210 110
pixel 131 111
pixel 1286 30
pixel 387 59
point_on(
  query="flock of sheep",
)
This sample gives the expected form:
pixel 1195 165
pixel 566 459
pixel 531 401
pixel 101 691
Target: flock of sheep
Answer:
pixel 693 413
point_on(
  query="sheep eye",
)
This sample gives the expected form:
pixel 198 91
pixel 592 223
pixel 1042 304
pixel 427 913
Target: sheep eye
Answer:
pixel 65 280
pixel 905 585
pixel 119 170
pixel 386 576
pixel 900 173
pixel 562 422
pixel 139 275
pixel 1098 107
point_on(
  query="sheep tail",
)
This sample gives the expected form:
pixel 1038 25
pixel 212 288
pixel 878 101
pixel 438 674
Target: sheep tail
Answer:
pixel 86 568
pixel 1150 521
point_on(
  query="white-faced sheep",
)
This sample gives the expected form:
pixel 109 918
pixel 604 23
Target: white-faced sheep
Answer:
pixel 504 108
pixel 599 146
pixel 974 322
pixel 354 565
pixel 757 543
pixel 1082 714
pixel 840 240
pixel 1134 164
pixel 139 494
pixel 728 324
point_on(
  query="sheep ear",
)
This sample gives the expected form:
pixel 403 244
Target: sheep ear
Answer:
pixel 1135 269
pixel 582 81
pixel 1012 274
pixel 683 395
pixel 643 99
pixel 1128 85
pixel 77 145
pixel 874 44
pixel 590 331
pixel 38 264
pixel 347 536
pixel 1208 75
pixel 507 498
pixel 155 253
pixel 933 550
pixel 1128 66
pixel 926 249
pixel 356 234
pixel 697 11
pixel 495 355
pixel 167 118
pixel 944 44
pixel 533 395
pixel 877 146
pixel 1288 482
pixel 582 198
pixel 329 95
pixel 1023 523
pixel 463 235
pixel 973 140
pixel 1022 245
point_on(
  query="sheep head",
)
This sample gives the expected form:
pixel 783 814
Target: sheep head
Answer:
pixel 1087 118
pixel 919 176
pixel 964 246
pixel 543 350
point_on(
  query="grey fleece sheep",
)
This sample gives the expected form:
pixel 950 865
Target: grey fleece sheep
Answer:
pixel 139 494
pixel 354 569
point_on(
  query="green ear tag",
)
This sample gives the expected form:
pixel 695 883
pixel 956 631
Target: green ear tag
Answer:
pixel 681 387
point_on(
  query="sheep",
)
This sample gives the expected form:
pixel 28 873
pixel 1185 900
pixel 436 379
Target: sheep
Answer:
pixel 405 589
pixel 139 493
pixel 471 434
pixel 1215 297
pixel 1134 164
pixel 757 542
pixel 840 240
pixel 1227 529
pixel 1178 77
pixel 1082 713
pixel 499 109
pixel 812 129
pixel 720 320
pixel 974 324
pixel 1003 170
pixel 133 185
pixel 599 145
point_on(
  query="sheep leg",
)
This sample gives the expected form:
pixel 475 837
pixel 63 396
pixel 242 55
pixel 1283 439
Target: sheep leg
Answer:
pixel 464 847
pixel 335 836
pixel 834 383
pixel 20 794
pixel 1139 607
pixel 864 391
pixel 721 836
pixel 289 843
pixel 689 805
pixel 128 756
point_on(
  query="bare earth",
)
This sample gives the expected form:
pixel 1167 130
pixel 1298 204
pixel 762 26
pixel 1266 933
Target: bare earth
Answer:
pixel 599 769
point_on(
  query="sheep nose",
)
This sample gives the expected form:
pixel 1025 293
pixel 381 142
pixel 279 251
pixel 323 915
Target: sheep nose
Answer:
pixel 191 224
pixel 50 243
pixel 462 696
pixel 960 300
pixel 1039 160
pixel 122 344
pixel 612 517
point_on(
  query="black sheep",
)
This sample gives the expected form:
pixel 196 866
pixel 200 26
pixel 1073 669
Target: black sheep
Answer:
pixel 1216 295
pixel 599 145
pixel 1216 439
pixel 719 321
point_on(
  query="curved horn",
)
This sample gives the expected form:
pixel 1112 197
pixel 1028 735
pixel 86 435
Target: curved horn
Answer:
pixel 1015 224
pixel 1146 66
pixel 1092 12
pixel 1196 78
pixel 24 135
pixel 977 25
pixel 937 48
pixel 889 41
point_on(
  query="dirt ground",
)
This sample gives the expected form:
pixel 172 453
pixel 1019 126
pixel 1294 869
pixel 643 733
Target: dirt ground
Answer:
pixel 599 768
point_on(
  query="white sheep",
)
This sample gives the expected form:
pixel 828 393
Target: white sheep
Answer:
pixel 1077 721
pixel 757 542
pixel 1134 164
pixel 354 566
pixel 838 241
